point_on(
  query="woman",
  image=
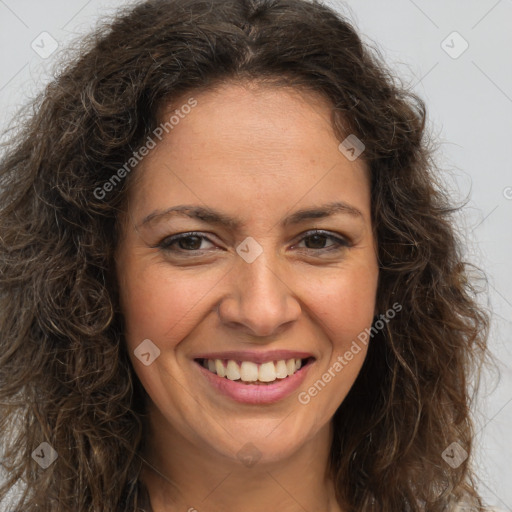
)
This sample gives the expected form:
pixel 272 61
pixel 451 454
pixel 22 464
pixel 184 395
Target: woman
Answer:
pixel 230 277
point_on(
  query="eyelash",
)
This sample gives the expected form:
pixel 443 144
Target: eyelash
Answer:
pixel 340 243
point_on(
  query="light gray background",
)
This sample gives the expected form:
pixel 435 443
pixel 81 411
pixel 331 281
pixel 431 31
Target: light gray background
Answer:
pixel 469 100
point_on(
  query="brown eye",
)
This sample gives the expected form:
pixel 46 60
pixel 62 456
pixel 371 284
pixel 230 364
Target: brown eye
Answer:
pixel 317 239
pixel 185 242
pixel 191 243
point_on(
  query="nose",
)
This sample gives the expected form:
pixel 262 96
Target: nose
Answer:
pixel 261 299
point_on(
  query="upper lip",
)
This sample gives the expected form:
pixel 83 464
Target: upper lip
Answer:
pixel 255 356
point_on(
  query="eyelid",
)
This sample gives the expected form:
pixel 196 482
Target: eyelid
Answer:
pixel 168 240
pixel 341 241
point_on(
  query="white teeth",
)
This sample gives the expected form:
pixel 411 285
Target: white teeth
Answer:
pixel 219 368
pixel 290 366
pixel 281 371
pixel 249 371
pixel 267 372
pixel 232 371
pixel 252 372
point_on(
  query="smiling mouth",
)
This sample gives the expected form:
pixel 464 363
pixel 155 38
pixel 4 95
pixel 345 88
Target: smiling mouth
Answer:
pixel 248 372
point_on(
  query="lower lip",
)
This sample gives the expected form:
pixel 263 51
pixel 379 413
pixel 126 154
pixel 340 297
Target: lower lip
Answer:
pixel 256 393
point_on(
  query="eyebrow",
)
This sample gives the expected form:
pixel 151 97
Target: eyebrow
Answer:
pixel 215 217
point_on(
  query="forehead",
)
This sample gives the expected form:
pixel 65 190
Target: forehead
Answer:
pixel 252 115
pixel 249 141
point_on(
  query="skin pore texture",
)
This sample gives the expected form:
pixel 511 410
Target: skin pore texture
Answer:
pixel 258 154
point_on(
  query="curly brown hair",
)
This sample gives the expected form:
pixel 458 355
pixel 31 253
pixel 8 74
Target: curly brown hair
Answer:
pixel 65 374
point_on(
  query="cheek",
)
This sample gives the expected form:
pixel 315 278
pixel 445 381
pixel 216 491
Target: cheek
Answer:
pixel 161 306
pixel 344 308
pixel 345 303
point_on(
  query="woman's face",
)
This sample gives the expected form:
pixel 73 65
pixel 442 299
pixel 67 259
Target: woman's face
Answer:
pixel 261 288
